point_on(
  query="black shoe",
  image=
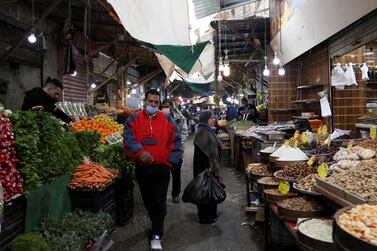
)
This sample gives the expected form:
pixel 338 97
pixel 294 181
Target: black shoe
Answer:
pixel 209 220
pixel 175 199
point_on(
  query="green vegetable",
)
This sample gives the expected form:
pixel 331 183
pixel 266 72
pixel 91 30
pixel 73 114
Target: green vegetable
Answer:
pixel 30 242
pixel 88 142
pixel 114 157
pixel 44 149
pixel 234 123
pixel 75 230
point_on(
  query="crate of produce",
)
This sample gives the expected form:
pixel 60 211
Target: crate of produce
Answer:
pixel 94 200
pixel 124 201
pixel 14 221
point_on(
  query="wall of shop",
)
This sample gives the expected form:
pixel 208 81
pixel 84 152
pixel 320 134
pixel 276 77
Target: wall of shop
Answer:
pixel 22 69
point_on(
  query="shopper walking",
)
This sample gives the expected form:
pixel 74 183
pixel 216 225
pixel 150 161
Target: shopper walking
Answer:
pixel 168 107
pixel 152 140
pixel 207 155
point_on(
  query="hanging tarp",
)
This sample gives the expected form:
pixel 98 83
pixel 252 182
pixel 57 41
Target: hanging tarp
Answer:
pixel 202 89
pixel 165 22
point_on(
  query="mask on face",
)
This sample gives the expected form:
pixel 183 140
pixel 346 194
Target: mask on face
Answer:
pixel 151 110
pixel 166 110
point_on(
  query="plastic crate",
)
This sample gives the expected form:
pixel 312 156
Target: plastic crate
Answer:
pixel 124 202
pixel 95 201
pixel 14 221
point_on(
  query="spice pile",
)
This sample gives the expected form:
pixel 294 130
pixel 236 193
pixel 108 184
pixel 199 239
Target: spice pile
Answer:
pixel 361 222
pixel 259 170
pixel 301 203
pixel 307 182
pixel 295 172
pixel 319 229
pixel 269 181
pixel 360 180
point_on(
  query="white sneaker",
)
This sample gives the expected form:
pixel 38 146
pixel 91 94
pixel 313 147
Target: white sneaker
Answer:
pixel 156 243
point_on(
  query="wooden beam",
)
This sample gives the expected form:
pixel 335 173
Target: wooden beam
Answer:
pixel 148 77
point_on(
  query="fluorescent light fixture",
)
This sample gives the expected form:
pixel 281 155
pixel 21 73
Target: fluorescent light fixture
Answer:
pixel 93 85
pixel 266 71
pixel 281 71
pixel 31 38
pixel 74 74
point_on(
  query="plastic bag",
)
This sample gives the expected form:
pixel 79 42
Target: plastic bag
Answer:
pixel 204 189
pixel 338 76
pixel 350 74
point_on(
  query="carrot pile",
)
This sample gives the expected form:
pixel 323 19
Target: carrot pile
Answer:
pixel 92 176
pixel 92 125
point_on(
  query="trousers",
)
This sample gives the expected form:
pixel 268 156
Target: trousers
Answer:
pixel 153 182
pixel 176 175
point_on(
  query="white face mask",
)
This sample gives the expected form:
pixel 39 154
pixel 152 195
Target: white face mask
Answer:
pixel 166 110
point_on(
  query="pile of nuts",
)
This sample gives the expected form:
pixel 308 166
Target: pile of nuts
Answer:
pixel 276 192
pixel 259 170
pixel 301 203
pixel 269 181
pixel 295 172
pixel 307 182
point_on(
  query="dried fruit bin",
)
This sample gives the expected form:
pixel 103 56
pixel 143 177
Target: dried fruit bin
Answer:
pixel 124 195
pixel 94 200
pixel 14 221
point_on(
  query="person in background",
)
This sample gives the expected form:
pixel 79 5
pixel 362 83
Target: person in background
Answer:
pixel 247 111
pixel 167 106
pixel 153 141
pixel 44 99
pixel 206 155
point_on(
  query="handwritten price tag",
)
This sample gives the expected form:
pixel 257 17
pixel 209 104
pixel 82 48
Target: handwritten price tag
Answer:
pixel 350 145
pixel 311 160
pixel 297 134
pixel 305 138
pixel 324 129
pixel 284 187
pixel 323 170
pixel 319 131
pixel 373 132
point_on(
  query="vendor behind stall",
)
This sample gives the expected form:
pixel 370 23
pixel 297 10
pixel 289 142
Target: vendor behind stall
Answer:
pixel 44 99
pixel 247 111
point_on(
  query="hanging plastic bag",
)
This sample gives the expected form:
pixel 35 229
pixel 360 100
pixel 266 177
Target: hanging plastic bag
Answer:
pixel 204 189
pixel 338 77
pixel 325 105
pixel 350 74
pixel 364 72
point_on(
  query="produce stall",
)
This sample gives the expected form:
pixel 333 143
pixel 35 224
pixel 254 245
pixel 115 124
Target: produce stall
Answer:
pixel 49 171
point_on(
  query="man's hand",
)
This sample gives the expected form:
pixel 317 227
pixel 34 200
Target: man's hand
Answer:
pixel 146 158
pixel 37 108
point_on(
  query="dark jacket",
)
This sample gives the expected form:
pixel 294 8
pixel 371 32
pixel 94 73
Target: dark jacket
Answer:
pixel 38 97
pixel 249 109
pixel 157 135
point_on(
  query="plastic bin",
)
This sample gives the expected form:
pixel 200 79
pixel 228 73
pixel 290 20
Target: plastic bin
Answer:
pixel 95 201
pixel 124 202
pixel 14 221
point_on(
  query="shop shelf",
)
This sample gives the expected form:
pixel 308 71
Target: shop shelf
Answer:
pixel 309 86
pixel 306 101
pixel 14 221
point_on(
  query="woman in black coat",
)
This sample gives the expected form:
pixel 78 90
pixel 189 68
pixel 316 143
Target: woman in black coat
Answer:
pixel 207 155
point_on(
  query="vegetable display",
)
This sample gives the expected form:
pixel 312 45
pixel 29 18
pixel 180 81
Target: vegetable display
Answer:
pixel 91 176
pixel 44 149
pixel 93 125
pixel 10 177
pixel 32 242
pixel 88 142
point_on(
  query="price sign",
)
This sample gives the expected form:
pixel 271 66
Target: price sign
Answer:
pixel 284 187
pixel 373 132
pixel 350 144
pixel 305 138
pixel 328 141
pixel 370 110
pixel 324 129
pixel 323 170
pixel 311 160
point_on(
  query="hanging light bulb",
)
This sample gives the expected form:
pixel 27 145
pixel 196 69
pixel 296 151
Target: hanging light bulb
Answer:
pixel 31 38
pixel 74 74
pixel 266 71
pixel 226 71
pixel 281 71
pixel 221 65
pixel 276 60
pixel 219 78
pixel 93 85
pixel 133 91
pixel 128 96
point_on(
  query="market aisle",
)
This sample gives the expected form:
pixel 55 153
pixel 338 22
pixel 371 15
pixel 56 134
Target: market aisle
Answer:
pixel 182 229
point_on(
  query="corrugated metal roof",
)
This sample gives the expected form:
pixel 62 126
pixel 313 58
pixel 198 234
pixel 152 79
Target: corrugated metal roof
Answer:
pixel 103 61
pixel 205 8
pixel 226 4
pixel 75 88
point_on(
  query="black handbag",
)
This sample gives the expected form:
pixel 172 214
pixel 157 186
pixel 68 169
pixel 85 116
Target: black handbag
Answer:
pixel 204 189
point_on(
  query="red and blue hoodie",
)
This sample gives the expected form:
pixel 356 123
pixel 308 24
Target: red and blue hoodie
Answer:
pixel 156 134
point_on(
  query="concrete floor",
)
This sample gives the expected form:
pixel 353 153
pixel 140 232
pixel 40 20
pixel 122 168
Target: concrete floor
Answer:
pixel 182 229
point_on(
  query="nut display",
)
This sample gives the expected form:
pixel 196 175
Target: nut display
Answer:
pixel 295 172
pixel 276 192
pixel 269 181
pixel 360 180
pixel 307 182
pixel 361 222
pixel 368 144
pixel 259 170
pixel 324 150
pixel 319 229
pixel 301 203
